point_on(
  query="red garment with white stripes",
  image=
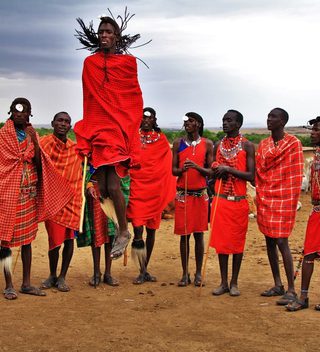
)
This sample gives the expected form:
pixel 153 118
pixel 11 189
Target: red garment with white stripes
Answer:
pixel 52 192
pixel 279 171
pixel 68 164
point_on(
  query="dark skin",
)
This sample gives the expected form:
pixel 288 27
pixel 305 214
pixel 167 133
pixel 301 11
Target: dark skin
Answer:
pixel 192 127
pixel 108 179
pixel 61 126
pixel 232 127
pixel 147 124
pixel 21 122
pixel 276 123
pixel 308 260
pixel 96 254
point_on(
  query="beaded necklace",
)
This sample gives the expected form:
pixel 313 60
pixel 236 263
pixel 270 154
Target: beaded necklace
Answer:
pixel 315 169
pixel 193 144
pixel 230 147
pixel 148 137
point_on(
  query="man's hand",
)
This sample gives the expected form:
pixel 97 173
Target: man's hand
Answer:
pixel 32 133
pixel 189 164
pixel 92 192
pixel 221 171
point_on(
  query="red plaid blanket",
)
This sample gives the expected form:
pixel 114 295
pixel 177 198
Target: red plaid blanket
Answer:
pixel 278 182
pixel 53 191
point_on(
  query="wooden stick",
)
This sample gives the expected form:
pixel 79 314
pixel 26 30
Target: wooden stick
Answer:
pixel 209 239
pixel 83 193
pixel 125 257
pixel 15 263
pixel 296 273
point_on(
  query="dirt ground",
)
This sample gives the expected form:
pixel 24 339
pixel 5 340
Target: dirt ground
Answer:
pixel 160 316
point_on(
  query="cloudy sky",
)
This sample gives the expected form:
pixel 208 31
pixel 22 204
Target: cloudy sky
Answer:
pixel 206 56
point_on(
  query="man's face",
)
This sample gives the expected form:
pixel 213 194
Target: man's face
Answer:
pixel 315 134
pixel 147 122
pixel 230 123
pixel 274 120
pixel 107 37
pixel 20 115
pixel 191 125
pixel 61 125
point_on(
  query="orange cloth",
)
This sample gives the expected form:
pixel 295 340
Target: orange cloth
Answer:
pixel 191 211
pixel 152 187
pixel 52 191
pixel 112 111
pixel 279 172
pixel 312 239
pixel 68 164
pixel 230 225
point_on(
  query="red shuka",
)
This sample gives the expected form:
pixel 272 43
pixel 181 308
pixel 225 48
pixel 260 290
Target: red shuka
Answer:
pixel 230 224
pixel 191 212
pixel 279 171
pixel 153 186
pixel 53 192
pixel 112 111
pixel 68 165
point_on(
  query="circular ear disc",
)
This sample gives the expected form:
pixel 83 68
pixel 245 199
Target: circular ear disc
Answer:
pixel 19 107
pixel 147 114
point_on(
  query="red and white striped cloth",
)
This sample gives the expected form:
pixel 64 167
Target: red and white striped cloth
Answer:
pixel 279 171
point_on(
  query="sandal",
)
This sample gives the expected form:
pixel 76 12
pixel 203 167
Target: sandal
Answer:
pixel 297 304
pixel 149 278
pixel 50 282
pixel 220 291
pixel 317 307
pixel 109 280
pixel 31 290
pixel 10 293
pixel 197 281
pixel 95 280
pixel 274 291
pixel 119 247
pixel 286 299
pixel 61 285
pixel 234 291
pixel 139 280
pixel 185 281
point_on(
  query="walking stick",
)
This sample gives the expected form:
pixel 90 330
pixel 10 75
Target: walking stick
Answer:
pixel 296 273
pixel 209 239
pixel 125 257
pixel 83 193
pixel 15 263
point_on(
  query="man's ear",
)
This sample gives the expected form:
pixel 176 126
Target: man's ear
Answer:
pixel 52 123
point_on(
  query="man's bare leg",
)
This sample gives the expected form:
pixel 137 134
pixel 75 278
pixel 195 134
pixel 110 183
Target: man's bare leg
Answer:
pixel 198 251
pixel 109 185
pixel 273 260
pixel 283 245
pixel 184 254
pixel 149 244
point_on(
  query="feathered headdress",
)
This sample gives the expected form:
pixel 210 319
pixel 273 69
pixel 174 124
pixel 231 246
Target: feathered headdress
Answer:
pixel 90 40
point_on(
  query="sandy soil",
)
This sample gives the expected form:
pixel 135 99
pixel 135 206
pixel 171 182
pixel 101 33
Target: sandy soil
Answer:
pixel 160 316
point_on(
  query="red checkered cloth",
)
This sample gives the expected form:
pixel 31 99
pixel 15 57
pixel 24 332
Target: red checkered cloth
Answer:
pixel 279 171
pixel 112 111
pixel 152 187
pixel 52 191
pixel 68 164
pixel 100 221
